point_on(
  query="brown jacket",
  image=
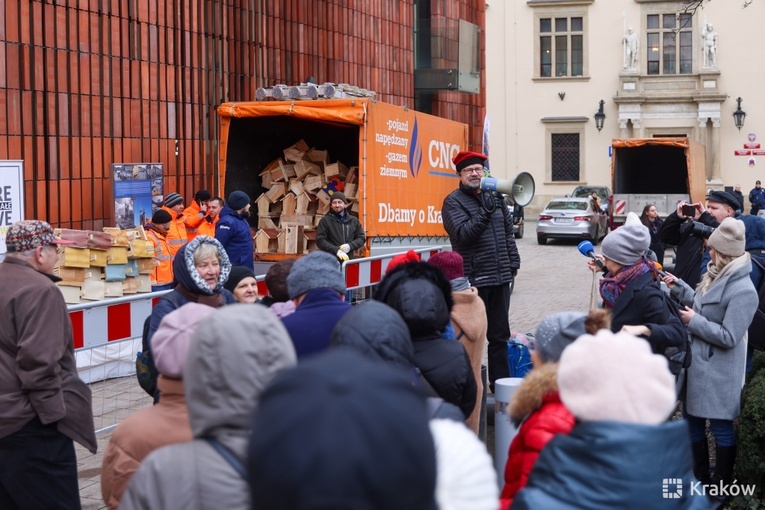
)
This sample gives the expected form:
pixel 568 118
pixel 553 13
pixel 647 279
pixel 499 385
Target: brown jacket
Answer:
pixel 469 321
pixel 140 434
pixel 38 373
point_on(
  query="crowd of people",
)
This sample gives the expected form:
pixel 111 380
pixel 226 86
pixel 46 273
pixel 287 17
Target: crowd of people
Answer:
pixel 299 400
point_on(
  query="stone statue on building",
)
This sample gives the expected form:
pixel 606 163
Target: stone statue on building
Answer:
pixel 709 44
pixel 631 48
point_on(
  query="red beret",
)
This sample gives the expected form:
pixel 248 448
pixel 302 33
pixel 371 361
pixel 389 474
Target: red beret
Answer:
pixel 466 158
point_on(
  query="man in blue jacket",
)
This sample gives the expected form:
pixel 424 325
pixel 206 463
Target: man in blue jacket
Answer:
pixel 233 230
pixel 757 198
pixel 317 287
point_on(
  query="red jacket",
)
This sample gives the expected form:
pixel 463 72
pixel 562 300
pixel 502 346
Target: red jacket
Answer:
pixel 537 401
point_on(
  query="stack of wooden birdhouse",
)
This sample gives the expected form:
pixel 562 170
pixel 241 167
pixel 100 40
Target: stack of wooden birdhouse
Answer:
pixel 299 189
pixel 102 265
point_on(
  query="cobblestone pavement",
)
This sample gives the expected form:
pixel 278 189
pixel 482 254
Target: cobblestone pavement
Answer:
pixel 553 278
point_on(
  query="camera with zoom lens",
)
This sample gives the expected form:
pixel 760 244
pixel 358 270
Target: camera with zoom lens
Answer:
pixel 702 231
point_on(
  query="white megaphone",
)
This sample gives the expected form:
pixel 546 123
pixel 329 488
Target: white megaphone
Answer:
pixel 520 189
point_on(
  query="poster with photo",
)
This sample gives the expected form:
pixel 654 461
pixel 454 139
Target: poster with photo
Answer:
pixel 138 192
pixel 11 197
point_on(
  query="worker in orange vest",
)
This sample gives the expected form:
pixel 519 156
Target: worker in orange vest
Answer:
pixel 194 214
pixel 156 231
pixel 207 227
pixel 176 234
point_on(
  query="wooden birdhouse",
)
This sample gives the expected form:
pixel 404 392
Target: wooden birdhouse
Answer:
pixel 266 240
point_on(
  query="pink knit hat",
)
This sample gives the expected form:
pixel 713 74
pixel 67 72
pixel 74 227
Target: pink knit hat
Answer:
pixel 170 343
pixel 450 262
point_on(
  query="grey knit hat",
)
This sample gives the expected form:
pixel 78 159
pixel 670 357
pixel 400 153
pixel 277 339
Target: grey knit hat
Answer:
pixel 317 270
pixel 338 195
pixel 172 199
pixel 626 244
pixel 729 238
pixel 555 332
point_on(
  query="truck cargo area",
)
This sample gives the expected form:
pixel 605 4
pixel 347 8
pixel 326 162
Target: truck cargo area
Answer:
pixel 651 169
pixel 254 142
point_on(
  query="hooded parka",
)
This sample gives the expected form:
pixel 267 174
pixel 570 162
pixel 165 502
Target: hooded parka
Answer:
pixel 234 354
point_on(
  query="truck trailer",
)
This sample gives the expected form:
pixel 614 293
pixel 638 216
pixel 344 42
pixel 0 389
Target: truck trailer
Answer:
pixel 404 160
pixel 658 171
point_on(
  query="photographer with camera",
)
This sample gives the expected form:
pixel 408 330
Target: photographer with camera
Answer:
pixel 480 229
pixel 678 230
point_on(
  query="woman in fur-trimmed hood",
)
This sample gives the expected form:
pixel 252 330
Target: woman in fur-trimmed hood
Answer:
pixel 536 406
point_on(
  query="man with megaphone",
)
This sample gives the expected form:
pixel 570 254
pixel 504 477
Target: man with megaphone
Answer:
pixel 480 229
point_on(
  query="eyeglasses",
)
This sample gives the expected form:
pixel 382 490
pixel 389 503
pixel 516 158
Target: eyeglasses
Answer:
pixel 468 171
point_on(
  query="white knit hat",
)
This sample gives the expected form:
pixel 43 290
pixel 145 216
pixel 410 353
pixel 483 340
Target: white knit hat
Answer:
pixel 466 478
pixel 615 377
pixel 729 238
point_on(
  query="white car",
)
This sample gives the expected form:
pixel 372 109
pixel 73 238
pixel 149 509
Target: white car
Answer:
pixel 571 218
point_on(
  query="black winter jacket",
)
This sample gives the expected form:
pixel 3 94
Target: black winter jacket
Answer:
pixel 421 294
pixel 334 230
pixel 677 232
pixel 484 240
pixel 642 303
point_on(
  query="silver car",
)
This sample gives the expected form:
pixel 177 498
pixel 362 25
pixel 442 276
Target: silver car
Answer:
pixel 571 218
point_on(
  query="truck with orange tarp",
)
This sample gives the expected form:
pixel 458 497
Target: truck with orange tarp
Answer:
pixel 404 159
pixel 658 171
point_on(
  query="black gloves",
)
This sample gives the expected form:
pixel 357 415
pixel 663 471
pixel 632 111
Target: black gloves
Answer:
pixel 491 200
pixel 513 272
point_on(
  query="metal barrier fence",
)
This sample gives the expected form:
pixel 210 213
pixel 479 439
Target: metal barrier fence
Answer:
pixel 107 336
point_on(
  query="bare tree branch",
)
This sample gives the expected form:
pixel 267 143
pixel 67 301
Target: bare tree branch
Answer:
pixel 691 6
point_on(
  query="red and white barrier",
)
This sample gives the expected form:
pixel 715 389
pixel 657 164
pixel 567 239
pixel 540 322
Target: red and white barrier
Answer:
pixel 369 271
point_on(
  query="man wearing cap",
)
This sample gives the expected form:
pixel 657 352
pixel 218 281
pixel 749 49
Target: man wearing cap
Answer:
pixel 233 230
pixel 480 229
pixel 691 258
pixel 176 234
pixel 757 198
pixel 207 227
pixel 156 230
pixel 45 405
pixel 194 214
pixel 339 233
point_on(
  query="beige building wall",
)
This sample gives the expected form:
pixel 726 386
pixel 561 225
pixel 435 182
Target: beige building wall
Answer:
pixel 525 109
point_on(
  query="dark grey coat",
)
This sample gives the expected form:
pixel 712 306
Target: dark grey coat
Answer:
pixel 723 314
pixel 484 240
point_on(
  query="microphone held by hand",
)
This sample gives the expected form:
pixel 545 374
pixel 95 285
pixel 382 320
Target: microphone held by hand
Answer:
pixel 588 250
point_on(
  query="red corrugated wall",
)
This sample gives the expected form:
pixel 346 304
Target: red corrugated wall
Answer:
pixel 88 83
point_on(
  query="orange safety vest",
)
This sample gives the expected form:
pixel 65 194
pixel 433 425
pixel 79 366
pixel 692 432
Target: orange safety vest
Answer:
pixel 192 219
pixel 176 236
pixel 163 273
pixel 208 229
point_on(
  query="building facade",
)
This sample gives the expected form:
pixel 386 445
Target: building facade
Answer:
pixel 661 71
pixel 88 83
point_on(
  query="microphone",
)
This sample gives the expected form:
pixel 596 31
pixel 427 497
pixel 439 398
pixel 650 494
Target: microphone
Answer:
pixel 588 250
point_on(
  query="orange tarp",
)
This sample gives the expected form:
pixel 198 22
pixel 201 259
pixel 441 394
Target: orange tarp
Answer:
pixel 346 111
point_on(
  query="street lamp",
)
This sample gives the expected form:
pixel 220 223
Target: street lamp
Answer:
pixel 600 117
pixel 739 115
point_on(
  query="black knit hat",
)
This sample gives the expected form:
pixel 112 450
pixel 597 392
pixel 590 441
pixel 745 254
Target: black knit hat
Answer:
pixel 202 195
pixel 172 199
pixel 238 200
pixel 237 274
pixel 362 421
pixel 161 217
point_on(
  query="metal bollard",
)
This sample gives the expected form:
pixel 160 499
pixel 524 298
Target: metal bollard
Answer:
pixel 504 430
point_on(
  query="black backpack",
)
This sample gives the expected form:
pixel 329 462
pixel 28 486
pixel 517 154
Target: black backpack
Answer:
pixel 145 370
pixel 757 326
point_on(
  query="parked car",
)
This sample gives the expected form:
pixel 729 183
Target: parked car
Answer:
pixel 516 212
pixel 604 194
pixel 571 218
